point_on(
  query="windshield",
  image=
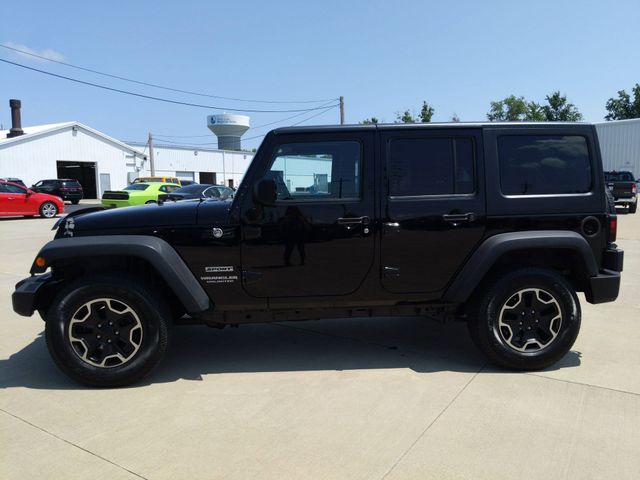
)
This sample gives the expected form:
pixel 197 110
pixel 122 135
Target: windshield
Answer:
pixel 618 177
pixel 137 186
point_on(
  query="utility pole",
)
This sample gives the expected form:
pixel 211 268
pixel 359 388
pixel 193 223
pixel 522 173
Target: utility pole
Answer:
pixel 341 110
pixel 152 165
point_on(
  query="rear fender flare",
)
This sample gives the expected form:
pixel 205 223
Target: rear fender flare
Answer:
pixel 490 251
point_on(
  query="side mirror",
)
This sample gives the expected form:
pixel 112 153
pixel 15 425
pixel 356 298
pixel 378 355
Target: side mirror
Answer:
pixel 265 192
pixel 30 192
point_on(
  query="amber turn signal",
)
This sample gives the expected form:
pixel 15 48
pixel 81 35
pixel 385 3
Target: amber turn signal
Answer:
pixel 40 262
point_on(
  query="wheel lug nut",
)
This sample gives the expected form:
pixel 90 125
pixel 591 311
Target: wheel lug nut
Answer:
pixel 110 323
pixel 528 328
pixel 520 323
pixel 98 337
pixel 118 333
pixel 99 325
pixel 109 341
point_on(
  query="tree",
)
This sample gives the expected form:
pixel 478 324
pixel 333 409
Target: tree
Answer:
pixel 455 118
pixel 622 108
pixel 534 112
pixel 405 117
pixel 510 109
pixel 559 110
pixel 370 121
pixel 426 112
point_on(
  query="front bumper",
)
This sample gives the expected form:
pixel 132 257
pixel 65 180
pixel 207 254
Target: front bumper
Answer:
pixel 605 286
pixel 24 297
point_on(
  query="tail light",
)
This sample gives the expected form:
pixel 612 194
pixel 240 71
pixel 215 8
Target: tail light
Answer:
pixel 634 189
pixel 64 189
pixel 613 228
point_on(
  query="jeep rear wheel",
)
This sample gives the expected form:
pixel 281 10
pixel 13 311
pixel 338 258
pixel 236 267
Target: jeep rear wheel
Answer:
pixel 526 320
pixel 107 332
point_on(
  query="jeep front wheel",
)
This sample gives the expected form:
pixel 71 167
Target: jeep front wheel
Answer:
pixel 526 320
pixel 107 332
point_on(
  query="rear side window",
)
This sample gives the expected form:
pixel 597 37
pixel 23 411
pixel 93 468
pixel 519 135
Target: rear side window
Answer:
pixel 544 164
pixel 431 166
pixel 71 183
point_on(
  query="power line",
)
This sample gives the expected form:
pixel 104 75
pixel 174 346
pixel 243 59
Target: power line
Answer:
pixel 154 85
pixel 252 128
pixel 173 142
pixel 150 97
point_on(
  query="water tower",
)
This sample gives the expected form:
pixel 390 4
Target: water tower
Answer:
pixel 228 128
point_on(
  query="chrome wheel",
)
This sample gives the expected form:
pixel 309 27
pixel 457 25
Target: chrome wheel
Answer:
pixel 530 320
pixel 49 210
pixel 105 332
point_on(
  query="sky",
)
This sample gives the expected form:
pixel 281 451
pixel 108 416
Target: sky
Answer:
pixel 382 56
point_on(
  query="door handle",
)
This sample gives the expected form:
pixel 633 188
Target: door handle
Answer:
pixel 354 220
pixel 11 198
pixel 459 217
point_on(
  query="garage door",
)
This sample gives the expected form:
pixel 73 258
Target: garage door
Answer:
pixel 185 176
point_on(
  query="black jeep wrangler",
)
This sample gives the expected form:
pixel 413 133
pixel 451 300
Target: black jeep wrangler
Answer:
pixel 498 225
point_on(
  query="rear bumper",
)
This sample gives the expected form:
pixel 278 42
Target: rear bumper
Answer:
pixel 71 196
pixel 25 294
pixel 626 201
pixel 605 286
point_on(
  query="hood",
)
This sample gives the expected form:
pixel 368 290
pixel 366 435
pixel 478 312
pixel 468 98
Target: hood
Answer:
pixel 131 218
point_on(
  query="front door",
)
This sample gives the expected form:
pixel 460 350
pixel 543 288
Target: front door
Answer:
pixel 433 206
pixel 14 200
pixel 317 238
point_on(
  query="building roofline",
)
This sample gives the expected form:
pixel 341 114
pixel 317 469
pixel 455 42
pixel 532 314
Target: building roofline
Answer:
pixel 63 126
pixel 200 148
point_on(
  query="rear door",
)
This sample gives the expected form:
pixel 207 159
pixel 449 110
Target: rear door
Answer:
pixel 433 205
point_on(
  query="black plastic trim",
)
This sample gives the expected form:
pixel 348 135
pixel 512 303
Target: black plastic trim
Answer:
pixel 494 247
pixel 154 250
pixel 24 296
pixel 604 287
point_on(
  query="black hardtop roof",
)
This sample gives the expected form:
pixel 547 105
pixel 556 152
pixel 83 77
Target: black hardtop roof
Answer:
pixel 428 126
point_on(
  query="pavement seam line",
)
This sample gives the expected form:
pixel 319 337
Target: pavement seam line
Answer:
pixel 404 454
pixel 72 444
pixel 582 384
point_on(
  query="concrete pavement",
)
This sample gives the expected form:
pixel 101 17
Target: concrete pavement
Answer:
pixel 384 398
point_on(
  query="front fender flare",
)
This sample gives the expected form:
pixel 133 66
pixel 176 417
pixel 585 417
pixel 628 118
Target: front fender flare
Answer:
pixel 481 261
pixel 156 251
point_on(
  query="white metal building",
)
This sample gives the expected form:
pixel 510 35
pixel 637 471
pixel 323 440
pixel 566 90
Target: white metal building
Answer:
pixel 620 145
pixel 204 165
pixel 100 162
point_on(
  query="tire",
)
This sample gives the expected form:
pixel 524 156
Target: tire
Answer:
pixel 138 332
pixel 633 207
pixel 149 202
pixel 539 305
pixel 48 210
pixel 75 202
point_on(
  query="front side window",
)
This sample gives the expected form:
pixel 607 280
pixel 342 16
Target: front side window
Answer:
pixel 430 166
pixel 318 170
pixel 14 189
pixel 544 164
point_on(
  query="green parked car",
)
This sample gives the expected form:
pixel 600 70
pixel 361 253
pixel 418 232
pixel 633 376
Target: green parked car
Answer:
pixel 137 194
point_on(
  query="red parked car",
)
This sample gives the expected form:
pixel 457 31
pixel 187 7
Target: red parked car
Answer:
pixel 16 200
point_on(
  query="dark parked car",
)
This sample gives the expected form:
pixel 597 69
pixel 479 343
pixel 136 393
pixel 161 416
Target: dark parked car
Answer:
pixel 624 189
pixel 67 189
pixel 495 224
pixel 14 180
pixel 200 190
